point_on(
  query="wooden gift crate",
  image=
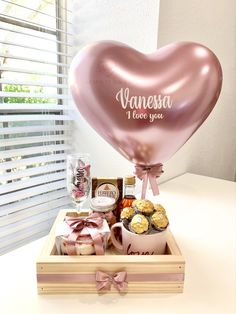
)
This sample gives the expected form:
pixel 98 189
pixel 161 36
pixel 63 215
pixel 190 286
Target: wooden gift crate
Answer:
pixel 160 273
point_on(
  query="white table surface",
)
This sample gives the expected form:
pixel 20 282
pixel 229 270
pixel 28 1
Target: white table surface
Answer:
pixel 202 214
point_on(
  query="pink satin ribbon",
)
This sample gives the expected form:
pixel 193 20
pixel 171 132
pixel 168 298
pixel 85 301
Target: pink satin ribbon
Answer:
pixel 104 281
pixel 149 173
pixel 81 278
pixel 90 224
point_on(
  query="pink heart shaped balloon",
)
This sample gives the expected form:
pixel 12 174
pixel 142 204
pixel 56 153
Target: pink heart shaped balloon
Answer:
pixel 145 106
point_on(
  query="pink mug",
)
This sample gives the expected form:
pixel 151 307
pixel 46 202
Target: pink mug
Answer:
pixel 137 244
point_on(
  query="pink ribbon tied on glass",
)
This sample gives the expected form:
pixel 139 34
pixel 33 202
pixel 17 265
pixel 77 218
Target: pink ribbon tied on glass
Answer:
pixel 104 281
pixel 149 173
pixel 91 224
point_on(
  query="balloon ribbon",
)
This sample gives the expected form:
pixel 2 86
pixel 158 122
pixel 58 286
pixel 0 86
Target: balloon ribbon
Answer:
pixel 149 173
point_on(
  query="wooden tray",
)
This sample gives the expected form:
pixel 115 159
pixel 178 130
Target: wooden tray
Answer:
pixel 145 274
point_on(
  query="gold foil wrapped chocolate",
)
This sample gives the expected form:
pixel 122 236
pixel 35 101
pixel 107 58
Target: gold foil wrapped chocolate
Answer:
pixel 127 213
pixel 159 208
pixel 139 224
pixel 143 206
pixel 134 203
pixel 159 220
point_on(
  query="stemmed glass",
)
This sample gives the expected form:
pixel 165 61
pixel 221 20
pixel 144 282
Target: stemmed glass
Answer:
pixel 78 178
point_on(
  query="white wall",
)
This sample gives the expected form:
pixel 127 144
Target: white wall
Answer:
pixel 212 150
pixel 134 22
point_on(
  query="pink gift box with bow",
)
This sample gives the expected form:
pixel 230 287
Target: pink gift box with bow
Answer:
pixel 82 235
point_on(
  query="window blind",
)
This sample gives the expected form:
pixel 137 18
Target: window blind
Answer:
pixel 34 117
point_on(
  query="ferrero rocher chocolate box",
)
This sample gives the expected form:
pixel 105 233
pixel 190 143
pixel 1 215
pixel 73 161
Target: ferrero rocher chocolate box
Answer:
pixel 109 187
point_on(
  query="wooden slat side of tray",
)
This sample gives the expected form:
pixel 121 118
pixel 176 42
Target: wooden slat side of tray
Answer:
pixel 63 267
pixel 172 246
pixel 144 268
pixel 147 287
pixel 107 259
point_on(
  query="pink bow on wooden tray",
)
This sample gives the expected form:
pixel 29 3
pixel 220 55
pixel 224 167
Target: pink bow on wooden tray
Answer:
pixel 104 281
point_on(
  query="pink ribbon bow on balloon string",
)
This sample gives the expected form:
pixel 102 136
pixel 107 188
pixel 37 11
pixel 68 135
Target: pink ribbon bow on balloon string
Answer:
pixel 149 173
pixel 104 281
pixel 90 223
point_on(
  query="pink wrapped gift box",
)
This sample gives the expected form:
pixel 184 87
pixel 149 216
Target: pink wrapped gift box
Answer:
pixel 82 235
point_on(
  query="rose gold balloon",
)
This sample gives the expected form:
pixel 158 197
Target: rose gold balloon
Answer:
pixel 145 106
